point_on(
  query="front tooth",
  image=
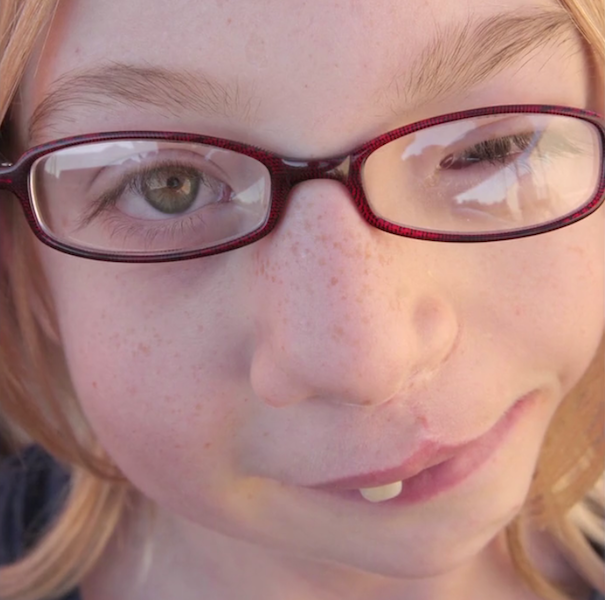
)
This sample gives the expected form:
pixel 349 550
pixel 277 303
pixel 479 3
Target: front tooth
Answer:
pixel 383 492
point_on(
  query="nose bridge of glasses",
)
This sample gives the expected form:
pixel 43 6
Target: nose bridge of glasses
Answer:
pixel 337 169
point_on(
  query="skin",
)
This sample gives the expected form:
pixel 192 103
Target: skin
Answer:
pixel 224 385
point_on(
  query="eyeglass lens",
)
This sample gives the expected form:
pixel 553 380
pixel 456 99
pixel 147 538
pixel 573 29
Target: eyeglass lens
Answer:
pixel 149 195
pixel 485 174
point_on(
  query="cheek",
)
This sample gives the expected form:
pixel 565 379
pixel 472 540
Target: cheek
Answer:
pixel 551 297
pixel 150 352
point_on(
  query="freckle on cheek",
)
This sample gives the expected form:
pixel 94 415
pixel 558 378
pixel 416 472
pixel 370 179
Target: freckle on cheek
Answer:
pixel 144 349
pixel 337 332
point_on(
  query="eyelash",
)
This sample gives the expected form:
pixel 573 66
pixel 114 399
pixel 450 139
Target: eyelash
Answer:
pixel 151 232
pixel 496 151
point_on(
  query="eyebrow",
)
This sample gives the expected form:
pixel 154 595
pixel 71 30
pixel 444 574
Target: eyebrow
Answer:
pixel 140 87
pixel 459 57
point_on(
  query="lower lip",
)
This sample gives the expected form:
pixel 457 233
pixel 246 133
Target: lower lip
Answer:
pixel 437 479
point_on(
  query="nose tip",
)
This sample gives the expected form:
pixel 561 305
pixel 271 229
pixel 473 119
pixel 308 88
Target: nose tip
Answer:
pixel 366 365
pixel 344 313
pixel 292 377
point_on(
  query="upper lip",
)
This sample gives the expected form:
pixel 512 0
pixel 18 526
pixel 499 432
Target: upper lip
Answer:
pixel 429 455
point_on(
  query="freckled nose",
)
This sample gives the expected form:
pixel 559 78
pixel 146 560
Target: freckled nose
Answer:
pixel 344 313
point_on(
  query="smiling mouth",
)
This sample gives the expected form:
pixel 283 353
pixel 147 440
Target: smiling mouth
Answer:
pixel 429 455
pixel 431 469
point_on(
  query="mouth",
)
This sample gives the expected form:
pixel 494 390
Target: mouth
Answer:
pixel 431 470
pixel 428 456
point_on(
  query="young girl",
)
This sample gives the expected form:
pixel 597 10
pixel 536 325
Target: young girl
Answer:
pixel 302 300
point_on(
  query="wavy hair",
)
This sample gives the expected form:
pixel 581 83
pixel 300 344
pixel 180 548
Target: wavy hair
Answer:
pixel 37 402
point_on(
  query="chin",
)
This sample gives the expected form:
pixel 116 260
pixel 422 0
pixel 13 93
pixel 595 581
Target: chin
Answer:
pixel 417 560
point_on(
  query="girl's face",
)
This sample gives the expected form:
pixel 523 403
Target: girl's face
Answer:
pixel 227 387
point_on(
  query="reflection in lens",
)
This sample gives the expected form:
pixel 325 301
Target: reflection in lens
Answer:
pixel 485 174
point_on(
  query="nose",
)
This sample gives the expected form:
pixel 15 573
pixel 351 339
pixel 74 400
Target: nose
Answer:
pixel 345 313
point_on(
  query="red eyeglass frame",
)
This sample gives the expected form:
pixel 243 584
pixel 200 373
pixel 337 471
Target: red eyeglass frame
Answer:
pixel 286 173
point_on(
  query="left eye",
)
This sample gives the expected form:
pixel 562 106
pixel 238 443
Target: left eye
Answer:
pixel 498 151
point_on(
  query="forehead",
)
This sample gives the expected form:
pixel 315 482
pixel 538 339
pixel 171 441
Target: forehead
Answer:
pixel 321 60
pixel 174 31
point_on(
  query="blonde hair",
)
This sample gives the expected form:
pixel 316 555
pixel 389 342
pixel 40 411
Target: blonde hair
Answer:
pixel 38 404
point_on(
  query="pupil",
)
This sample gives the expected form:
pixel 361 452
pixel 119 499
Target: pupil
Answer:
pixel 173 183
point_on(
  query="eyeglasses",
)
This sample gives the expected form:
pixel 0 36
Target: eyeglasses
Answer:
pixel 488 174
